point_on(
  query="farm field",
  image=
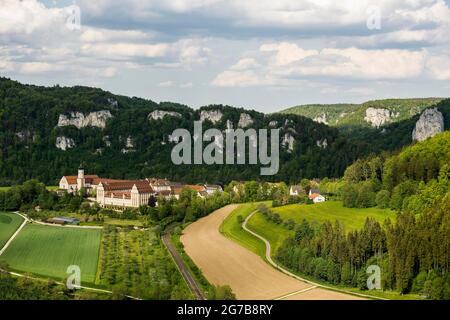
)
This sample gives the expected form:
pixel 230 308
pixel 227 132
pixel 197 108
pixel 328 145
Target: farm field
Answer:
pixel 9 223
pixel 48 251
pixel 351 218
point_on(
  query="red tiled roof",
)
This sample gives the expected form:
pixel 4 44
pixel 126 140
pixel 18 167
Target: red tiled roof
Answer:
pixel 314 195
pixel 71 179
pixel 87 178
pixel 177 189
pixel 195 187
pixel 125 185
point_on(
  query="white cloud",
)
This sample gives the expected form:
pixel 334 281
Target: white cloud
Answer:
pixel 125 50
pixel 103 35
pixel 187 85
pixel 288 62
pixel 359 63
pixel 192 52
pixel 363 91
pixel 287 53
pixel 165 84
pixel 439 67
pixel 245 64
pixel 247 78
pixel 38 68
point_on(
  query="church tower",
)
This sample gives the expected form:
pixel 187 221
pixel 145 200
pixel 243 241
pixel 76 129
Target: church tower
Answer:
pixel 80 180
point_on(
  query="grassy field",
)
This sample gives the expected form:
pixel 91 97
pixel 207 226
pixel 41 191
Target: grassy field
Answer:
pixel 9 223
pixel 352 218
pixel 48 251
pixel 276 234
pixel 232 229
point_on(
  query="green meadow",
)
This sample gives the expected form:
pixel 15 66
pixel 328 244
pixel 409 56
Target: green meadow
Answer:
pixel 232 229
pixel 49 251
pixel 9 222
pixel 351 218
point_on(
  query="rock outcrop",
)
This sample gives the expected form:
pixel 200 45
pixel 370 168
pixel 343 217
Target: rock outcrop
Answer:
pixel 113 103
pixel 107 141
pixel 288 142
pixel 213 115
pixel 273 124
pixel 377 117
pixel 321 119
pixel 80 120
pixel 64 143
pixel 129 143
pixel 322 143
pixel 160 114
pixel 430 123
pixel 245 120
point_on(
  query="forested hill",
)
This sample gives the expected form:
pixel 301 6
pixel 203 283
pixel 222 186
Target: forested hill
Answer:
pixel 371 114
pixel 46 132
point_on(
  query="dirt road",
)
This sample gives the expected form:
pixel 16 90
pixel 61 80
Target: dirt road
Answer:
pixel 250 277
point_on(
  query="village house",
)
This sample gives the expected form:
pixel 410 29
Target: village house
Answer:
pixel 212 188
pixel 296 191
pixel 315 196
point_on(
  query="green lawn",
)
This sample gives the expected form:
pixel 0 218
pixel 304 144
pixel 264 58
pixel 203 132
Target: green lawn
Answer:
pixel 232 229
pixel 352 218
pixel 48 251
pixel 9 222
pixel 274 233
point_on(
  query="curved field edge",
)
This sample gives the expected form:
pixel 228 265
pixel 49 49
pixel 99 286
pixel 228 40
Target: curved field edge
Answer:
pixel 231 228
pixel 9 223
pixel 268 230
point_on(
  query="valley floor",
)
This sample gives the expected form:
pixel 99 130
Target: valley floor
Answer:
pixel 225 262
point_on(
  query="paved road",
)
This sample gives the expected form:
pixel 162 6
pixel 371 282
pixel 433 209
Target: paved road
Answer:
pixel 182 267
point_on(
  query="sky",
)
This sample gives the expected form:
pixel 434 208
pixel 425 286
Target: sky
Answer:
pixel 258 54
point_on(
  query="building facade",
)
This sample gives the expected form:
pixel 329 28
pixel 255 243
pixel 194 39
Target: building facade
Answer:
pixel 121 194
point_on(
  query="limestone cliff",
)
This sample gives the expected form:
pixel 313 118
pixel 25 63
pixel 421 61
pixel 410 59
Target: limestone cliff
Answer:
pixel 430 123
pixel 80 120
